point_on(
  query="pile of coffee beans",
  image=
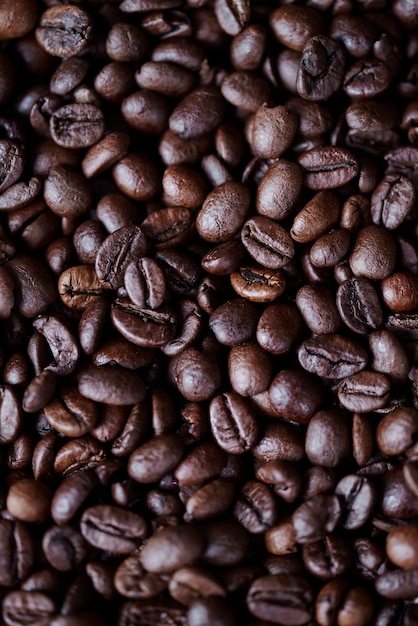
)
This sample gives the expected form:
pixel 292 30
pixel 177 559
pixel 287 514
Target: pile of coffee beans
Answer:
pixel 209 312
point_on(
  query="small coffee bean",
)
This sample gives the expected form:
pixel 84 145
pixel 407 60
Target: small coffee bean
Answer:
pixel 279 190
pixel 401 546
pixel 379 260
pixel 295 395
pixel 114 385
pixel 246 90
pixel 328 167
pixel 64 30
pixel 136 176
pixel 76 125
pixel 215 222
pixel 281 598
pixel 155 458
pixel 321 68
pixel 171 548
pixel 267 242
pixel 364 391
pixel 233 422
pixel 112 528
pixel 28 500
pixel 359 306
pixel 316 218
pixel 328 438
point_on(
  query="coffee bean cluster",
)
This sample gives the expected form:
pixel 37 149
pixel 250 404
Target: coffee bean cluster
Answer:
pixel 209 313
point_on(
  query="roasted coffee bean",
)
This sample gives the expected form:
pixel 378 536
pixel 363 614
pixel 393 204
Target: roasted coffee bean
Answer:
pixel 328 438
pixel 112 528
pixel 233 422
pixel 293 26
pixel 379 261
pixel 295 395
pixel 215 222
pixel 280 441
pixel 234 322
pixel 184 543
pixel 359 305
pixel 366 79
pixel 364 391
pixel 333 356
pixel 249 369
pixel 111 384
pixel 316 218
pixel 256 508
pixel 267 242
pixel 316 518
pixel 21 505
pixel 18 552
pixel 155 458
pixel 328 167
pixel 281 598
pixel 76 125
pixel 28 606
pixel 246 90
pixel 329 558
pixel 64 30
pixel 70 413
pixel 136 176
pixel 360 497
pixel 317 306
pixel 321 68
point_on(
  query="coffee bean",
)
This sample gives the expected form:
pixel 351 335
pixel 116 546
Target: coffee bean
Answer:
pixel 215 222
pixel 111 384
pixel 185 545
pixel 295 395
pixel 233 423
pixel 321 68
pixel 198 113
pixel 281 598
pixel 30 606
pixel 328 438
pixel 64 30
pixel 76 125
pixel 359 305
pixel 155 458
pixel 246 90
pixel 267 242
pixel 379 261
pixel 364 391
pixel 328 167
pixel 293 26
pixel 366 79
pixel 17 19
pixel 329 558
pixel 20 503
pixel 360 497
pixel 112 528
pixel 392 200
pixel 136 176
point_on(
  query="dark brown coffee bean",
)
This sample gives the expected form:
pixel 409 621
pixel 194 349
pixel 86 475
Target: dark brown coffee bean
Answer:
pixel 360 497
pixel 12 163
pixel 295 395
pixel 61 341
pixel 116 252
pixel 316 518
pixel 367 79
pixel 400 292
pixel 329 558
pixel 114 385
pixel 249 369
pixel 76 125
pixel 137 177
pixel 396 431
pixel 64 30
pixel 146 111
pixel 328 167
pixel 198 113
pixel 105 153
pixel 379 260
pixel 233 423
pixel 401 546
pixel 155 458
pixel 267 242
pixel 172 548
pixel 313 221
pixel 281 441
pixel 317 306
pixel 28 606
pixel 321 68
pixel 364 391
pixel 281 598
pixel 293 25
pixel 246 90
pixel 256 508
pixel 112 528
pixel 359 305
pixel 169 227
pixel 143 327
pixel 64 548
pixel 28 500
pixel 278 328
pixel 328 438
pixel 197 375
pixel 215 222
pixel 210 501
